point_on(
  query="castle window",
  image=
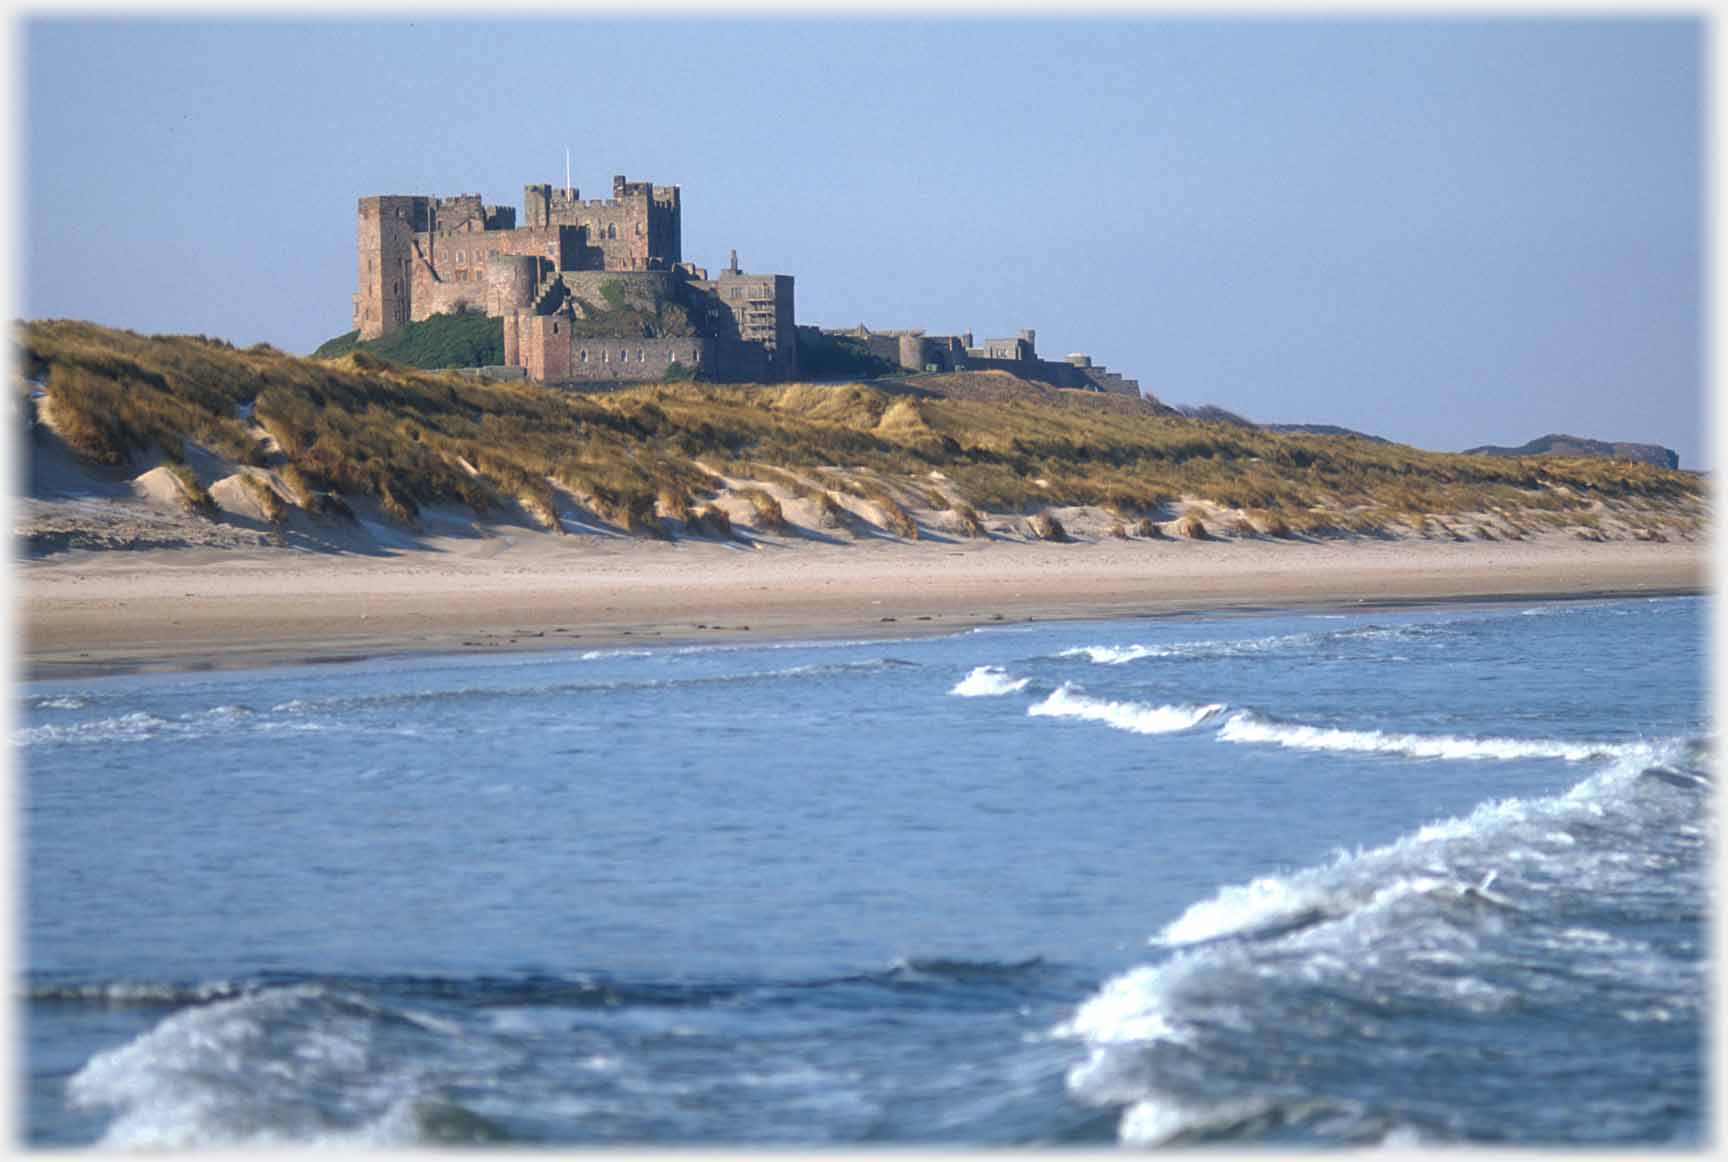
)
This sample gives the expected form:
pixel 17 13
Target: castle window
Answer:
pixel 640 358
pixel 584 354
pixel 605 356
pixel 612 231
pixel 554 328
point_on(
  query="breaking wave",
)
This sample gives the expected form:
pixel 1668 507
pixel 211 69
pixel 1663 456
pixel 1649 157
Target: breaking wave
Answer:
pixel 988 682
pixel 302 1064
pixel 1137 717
pixel 1278 1005
pixel 1248 727
pixel 404 1060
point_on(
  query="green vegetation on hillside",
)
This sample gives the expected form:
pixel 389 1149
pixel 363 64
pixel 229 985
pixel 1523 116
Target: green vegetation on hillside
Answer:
pixel 839 357
pixel 356 427
pixel 460 340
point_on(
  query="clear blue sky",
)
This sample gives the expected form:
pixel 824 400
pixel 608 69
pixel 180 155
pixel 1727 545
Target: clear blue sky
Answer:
pixel 1446 232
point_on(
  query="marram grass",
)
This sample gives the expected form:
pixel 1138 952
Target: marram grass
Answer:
pixel 339 429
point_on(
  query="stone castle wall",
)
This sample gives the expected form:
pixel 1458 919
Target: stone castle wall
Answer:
pixel 543 344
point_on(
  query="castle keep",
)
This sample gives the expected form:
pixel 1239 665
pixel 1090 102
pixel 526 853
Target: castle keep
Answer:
pixel 597 290
pixel 592 289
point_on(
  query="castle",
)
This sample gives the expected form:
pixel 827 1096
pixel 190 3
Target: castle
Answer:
pixel 597 290
pixel 593 290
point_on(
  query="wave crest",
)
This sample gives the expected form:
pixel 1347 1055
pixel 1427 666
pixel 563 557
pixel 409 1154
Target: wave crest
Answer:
pixel 1136 717
pixel 1246 726
pixel 988 682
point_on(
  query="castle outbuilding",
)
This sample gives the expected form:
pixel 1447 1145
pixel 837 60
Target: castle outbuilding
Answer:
pixel 915 351
pixel 588 290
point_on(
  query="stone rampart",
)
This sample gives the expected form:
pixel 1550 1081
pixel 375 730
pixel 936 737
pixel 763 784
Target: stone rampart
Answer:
pixel 637 360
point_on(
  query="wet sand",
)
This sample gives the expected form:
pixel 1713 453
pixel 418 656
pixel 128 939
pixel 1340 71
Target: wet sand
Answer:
pixel 89 613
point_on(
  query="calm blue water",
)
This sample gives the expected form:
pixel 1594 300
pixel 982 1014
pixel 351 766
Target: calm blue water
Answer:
pixel 1424 876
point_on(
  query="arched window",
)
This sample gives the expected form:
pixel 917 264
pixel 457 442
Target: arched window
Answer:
pixel 612 231
pixel 584 354
pixel 554 328
pixel 623 355
pixel 640 357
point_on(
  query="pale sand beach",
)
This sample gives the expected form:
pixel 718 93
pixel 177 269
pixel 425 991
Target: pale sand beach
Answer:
pixel 92 612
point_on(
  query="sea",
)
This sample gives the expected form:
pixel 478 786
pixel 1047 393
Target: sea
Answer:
pixel 1401 876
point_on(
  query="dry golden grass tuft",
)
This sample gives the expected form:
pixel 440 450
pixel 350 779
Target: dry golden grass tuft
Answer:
pixel 767 514
pixel 193 494
pixel 967 522
pixel 712 520
pixel 269 503
pixel 1269 524
pixel 1045 527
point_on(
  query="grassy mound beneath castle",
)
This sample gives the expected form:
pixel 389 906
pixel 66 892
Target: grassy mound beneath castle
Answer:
pixel 354 427
pixel 443 341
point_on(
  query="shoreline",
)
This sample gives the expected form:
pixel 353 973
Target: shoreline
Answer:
pixel 101 614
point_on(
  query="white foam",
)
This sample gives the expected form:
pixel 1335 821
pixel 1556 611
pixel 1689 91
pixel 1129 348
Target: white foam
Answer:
pixel 1245 726
pixel 1263 903
pixel 1114 655
pixel 136 726
pixel 1156 1121
pixel 988 682
pixel 66 702
pixel 1137 717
